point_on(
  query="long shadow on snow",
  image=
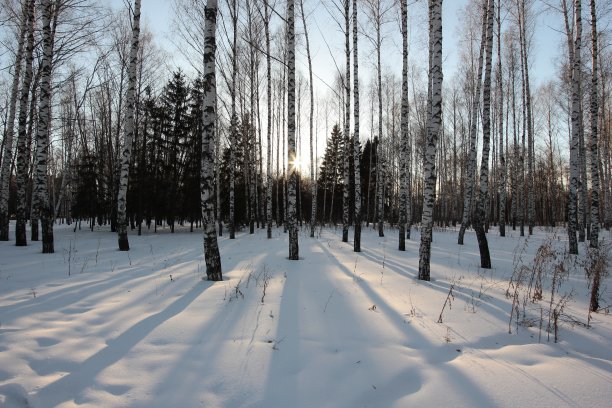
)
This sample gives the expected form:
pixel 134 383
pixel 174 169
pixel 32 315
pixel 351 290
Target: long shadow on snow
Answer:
pixel 83 376
pixel 496 307
pixel 434 355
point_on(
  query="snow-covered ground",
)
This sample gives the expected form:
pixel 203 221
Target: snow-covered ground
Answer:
pixel 92 326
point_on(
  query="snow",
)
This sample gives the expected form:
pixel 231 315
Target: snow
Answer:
pixel 335 329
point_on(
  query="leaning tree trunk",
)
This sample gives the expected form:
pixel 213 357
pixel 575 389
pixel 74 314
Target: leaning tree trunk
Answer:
pixel 434 124
pixel 575 128
pixel 22 134
pixel 404 128
pixel 45 207
pixel 211 247
pixel 313 184
pixel 480 215
pixel 594 134
pixel 347 125
pixel 471 164
pixel 293 171
pixel 124 244
pixel 7 157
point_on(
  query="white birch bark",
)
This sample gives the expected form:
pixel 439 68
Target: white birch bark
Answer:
pixel 404 129
pixel 128 133
pixel 269 125
pixel 347 124
pixel 480 214
pixel 575 129
pixel 291 157
pixel 7 157
pixel 471 164
pixel 594 238
pixel 502 156
pixel 43 204
pixel 209 116
pixel 233 123
pixel 22 135
pixel 434 124
pixel 356 143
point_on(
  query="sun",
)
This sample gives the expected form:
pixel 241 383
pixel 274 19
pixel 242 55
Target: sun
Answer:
pixel 299 165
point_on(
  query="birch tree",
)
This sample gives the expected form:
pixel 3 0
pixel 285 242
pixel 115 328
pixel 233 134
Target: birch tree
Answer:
pixel 480 215
pixel 126 155
pixel 575 129
pixel 313 184
pixel 266 14
pixel 7 159
pixel 42 199
pixel 502 156
pixel 434 123
pixel 594 238
pixel 22 133
pixel 471 163
pixel 356 144
pixel 347 123
pixel 209 123
pixel 291 157
pixel 404 128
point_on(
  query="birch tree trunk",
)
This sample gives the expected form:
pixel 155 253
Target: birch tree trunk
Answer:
pixel 211 247
pixel 575 129
pixel 480 215
pixel 404 128
pixel 434 124
pixel 356 143
pixel 233 124
pixel 594 238
pixel 45 207
pixel 502 157
pixel 471 164
pixel 313 184
pixel 269 124
pixel 292 182
pixel 347 124
pixel 7 158
pixel 129 133
pixel 22 134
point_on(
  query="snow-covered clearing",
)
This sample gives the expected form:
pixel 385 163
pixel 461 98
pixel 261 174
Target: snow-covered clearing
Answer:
pixel 335 329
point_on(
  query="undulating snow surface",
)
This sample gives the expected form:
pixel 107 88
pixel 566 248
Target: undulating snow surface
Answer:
pixel 92 326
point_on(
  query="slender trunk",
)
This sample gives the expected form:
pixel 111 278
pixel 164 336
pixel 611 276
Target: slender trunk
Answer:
pixel 480 215
pixel 269 124
pixel 129 134
pixel 233 124
pixel 404 129
pixel 22 135
pixel 594 134
pixel 434 123
pixel 471 164
pixel 502 156
pixel 45 207
pixel 292 184
pixel 356 143
pixel 347 124
pixel 575 130
pixel 7 157
pixel 211 247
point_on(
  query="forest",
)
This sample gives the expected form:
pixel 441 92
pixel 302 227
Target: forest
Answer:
pixel 477 164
